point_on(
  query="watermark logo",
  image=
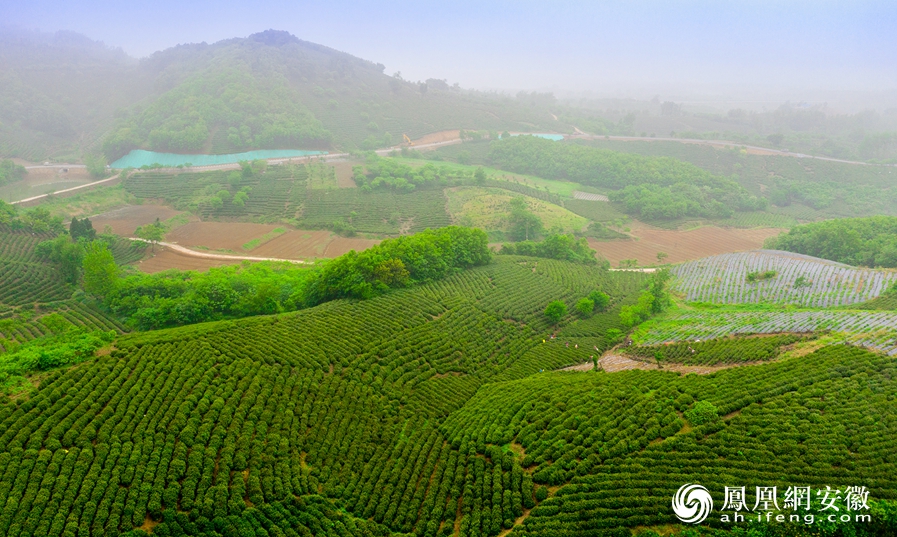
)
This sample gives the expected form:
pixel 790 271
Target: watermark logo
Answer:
pixel 692 503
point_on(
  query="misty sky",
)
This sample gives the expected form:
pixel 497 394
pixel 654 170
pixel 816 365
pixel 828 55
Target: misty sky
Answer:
pixel 605 47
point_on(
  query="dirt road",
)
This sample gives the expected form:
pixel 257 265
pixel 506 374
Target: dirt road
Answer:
pixel 74 188
pixel 224 257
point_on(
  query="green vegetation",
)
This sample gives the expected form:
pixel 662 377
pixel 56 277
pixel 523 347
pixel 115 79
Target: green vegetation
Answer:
pixel 555 311
pixel 653 300
pixel 797 188
pixel 757 276
pixel 598 435
pixel 393 174
pixel 514 216
pixel 868 242
pixel 653 188
pixel 255 243
pixel 173 298
pixel 555 246
pixel 769 276
pixel 716 351
pixel 11 172
pixel 248 112
pixel 37 219
pixel 266 90
pixel 49 352
pixel 396 367
pixel 885 301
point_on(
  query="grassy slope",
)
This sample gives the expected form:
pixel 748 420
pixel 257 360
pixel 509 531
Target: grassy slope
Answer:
pixel 489 208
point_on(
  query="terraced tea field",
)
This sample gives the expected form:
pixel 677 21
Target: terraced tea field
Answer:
pixel 874 329
pixel 798 279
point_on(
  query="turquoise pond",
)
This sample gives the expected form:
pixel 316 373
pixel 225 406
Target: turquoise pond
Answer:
pixel 139 157
pixel 555 137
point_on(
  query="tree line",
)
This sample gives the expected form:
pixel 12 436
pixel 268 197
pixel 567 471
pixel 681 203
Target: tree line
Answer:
pixel 651 187
pixel 11 172
pixel 868 242
pixel 173 297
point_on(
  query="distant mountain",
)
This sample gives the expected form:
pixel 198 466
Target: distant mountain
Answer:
pixel 65 95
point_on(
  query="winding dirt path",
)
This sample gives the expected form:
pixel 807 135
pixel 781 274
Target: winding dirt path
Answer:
pixel 208 255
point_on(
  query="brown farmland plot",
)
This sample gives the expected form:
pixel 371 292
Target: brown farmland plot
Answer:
pixel 126 220
pixel 681 245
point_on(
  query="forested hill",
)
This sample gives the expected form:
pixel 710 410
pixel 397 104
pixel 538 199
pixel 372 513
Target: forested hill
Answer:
pixel 269 90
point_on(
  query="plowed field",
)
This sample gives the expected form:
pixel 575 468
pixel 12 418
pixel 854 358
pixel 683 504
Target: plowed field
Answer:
pixel 681 245
pixel 127 219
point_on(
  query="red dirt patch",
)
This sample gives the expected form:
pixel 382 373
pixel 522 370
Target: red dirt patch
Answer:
pixel 441 136
pixel 681 245
pixel 295 244
pixel 167 259
pixel 219 235
pixel 126 220
pixel 340 245
pixel 304 244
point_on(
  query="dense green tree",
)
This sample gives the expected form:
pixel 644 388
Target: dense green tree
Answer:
pixel 702 412
pixel 600 299
pixel 154 232
pixel 66 254
pixel 556 246
pixel 10 172
pixel 651 187
pixel 585 307
pixel 556 310
pixel 870 242
pixel 82 228
pixel 96 165
pixel 100 270
pixel 524 224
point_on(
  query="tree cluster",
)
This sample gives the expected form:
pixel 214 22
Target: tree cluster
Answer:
pixel 11 172
pixel 37 219
pixel 556 246
pixel 868 242
pixel 652 301
pixel 651 187
pixel 228 100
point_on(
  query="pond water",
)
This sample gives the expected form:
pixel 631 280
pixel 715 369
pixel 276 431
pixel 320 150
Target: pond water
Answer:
pixel 547 136
pixel 139 157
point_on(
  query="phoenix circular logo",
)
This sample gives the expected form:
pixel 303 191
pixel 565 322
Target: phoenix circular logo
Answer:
pixel 692 503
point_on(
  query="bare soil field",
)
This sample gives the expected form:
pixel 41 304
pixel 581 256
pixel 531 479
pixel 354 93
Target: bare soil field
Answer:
pixel 612 363
pixel 125 220
pixel 219 235
pixel 168 259
pixel 304 244
pixel 340 245
pixel 681 245
pixel 441 136
pixel 293 244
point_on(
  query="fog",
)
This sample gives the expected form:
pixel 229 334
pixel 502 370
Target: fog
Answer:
pixel 750 54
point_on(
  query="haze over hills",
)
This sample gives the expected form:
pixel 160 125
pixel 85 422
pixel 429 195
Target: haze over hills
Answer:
pixel 269 90
pixel 420 334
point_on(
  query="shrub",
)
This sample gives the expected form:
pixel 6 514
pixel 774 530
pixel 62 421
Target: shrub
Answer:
pixel 702 412
pixel 556 310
